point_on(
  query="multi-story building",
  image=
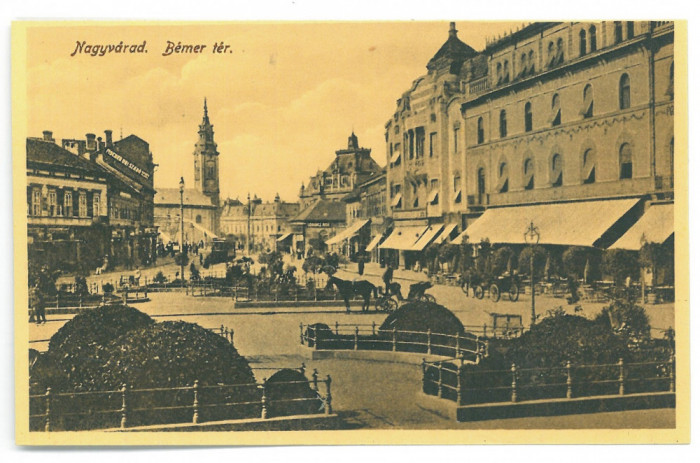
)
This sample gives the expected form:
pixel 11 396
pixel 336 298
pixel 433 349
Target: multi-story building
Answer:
pixel 557 121
pixel 67 213
pixel 267 225
pixel 323 208
pixel 201 209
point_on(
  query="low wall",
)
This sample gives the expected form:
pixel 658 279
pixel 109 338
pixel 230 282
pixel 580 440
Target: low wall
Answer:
pixel 407 358
pixel 556 407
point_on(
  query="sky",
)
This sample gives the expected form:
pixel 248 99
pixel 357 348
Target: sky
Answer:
pixel 282 99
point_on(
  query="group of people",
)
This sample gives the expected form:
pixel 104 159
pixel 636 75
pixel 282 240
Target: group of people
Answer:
pixel 37 305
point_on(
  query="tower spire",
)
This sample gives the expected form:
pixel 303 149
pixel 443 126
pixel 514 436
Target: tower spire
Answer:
pixel 206 112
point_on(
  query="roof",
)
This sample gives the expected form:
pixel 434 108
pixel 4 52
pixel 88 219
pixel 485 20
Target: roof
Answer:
pixel 191 197
pixel 403 238
pixel 655 226
pixel 452 50
pixel 572 224
pixel 50 154
pixel 322 211
pixel 273 209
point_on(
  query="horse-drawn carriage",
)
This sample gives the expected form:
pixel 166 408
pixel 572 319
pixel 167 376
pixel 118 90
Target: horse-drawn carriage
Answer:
pixel 388 302
pixel 494 286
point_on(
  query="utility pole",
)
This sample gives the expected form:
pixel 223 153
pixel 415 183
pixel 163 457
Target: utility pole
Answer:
pixel 532 237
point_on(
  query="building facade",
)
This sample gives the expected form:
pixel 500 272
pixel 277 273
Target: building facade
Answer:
pixel 90 202
pixel 553 113
pixel 266 226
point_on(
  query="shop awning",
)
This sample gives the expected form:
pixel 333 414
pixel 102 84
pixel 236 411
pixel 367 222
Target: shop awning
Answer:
pixel 573 224
pixel 655 226
pixel 373 244
pixel 396 200
pixel 403 238
pixel 348 232
pixel 284 237
pixel 427 237
pixel 446 233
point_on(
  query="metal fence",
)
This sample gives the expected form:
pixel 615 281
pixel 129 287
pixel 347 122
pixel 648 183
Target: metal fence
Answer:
pixel 196 403
pixel 370 337
pixel 467 384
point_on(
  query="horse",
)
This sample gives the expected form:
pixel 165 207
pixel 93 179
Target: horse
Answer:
pixel 348 289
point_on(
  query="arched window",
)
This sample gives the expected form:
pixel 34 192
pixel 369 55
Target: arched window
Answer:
pixel 587 110
pixel 481 185
pixel 556 173
pixel 529 174
pixel 618 32
pixel 503 177
pixel 589 166
pixel 625 161
pixel 499 72
pixel 592 38
pixel 528 117
pixel 198 219
pixel 624 91
pixel 556 110
pixel 670 81
pixel 503 124
pixel 506 72
pixel 551 56
pixel 531 61
pixel 582 42
pixel 523 65
pixel 560 51
pixel 480 130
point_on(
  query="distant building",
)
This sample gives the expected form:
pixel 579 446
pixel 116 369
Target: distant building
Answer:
pixel 555 113
pixel 322 199
pixel 201 203
pixel 267 225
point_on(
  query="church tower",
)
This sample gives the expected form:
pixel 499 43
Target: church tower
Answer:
pixel 206 160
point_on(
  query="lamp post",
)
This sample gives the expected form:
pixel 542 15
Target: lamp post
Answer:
pixel 532 237
pixel 247 239
pixel 182 230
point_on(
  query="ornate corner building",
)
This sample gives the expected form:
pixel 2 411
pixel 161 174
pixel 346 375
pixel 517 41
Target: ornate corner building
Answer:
pixel 555 113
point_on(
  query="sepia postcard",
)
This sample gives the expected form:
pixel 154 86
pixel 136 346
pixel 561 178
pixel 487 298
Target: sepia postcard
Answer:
pixel 350 232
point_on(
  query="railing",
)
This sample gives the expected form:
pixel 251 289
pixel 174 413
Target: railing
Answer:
pixel 479 86
pixel 343 336
pixel 466 384
pixel 197 403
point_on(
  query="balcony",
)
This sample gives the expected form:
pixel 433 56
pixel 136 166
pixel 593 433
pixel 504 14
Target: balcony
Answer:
pixel 478 202
pixel 409 214
pixel 479 86
pixel 58 220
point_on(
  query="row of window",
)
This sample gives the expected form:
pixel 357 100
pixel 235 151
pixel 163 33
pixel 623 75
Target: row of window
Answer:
pixel 63 203
pixel 555 115
pixel 555 52
pixel 253 228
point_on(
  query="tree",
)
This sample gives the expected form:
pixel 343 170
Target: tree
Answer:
pixel 500 259
pixel 628 320
pixel 620 264
pixel 182 259
pixel 540 261
pixel 575 258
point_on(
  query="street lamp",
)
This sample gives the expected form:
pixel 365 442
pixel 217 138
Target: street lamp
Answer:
pixel 247 239
pixel 182 230
pixel 532 237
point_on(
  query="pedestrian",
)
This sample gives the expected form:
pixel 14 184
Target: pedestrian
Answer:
pixel 137 276
pixel 360 264
pixel 37 300
pixel 388 276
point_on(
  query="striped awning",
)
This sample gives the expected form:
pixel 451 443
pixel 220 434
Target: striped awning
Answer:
pixel 403 238
pixel 655 226
pixel 427 237
pixel 348 232
pixel 373 244
pixel 284 237
pixel 446 233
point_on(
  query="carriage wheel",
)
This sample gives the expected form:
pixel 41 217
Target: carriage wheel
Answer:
pixel 465 288
pixel 494 292
pixel 387 304
pixel 428 298
pixel 513 292
pixel 479 292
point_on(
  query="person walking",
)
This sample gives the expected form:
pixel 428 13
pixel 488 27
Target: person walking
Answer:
pixel 360 264
pixel 388 276
pixel 37 301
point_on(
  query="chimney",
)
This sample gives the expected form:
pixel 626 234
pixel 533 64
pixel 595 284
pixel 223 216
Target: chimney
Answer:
pixel 48 136
pixel 453 30
pixel 90 141
pixel 108 138
pixel 100 143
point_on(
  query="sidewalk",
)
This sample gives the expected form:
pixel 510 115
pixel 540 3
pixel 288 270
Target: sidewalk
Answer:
pixel 374 270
